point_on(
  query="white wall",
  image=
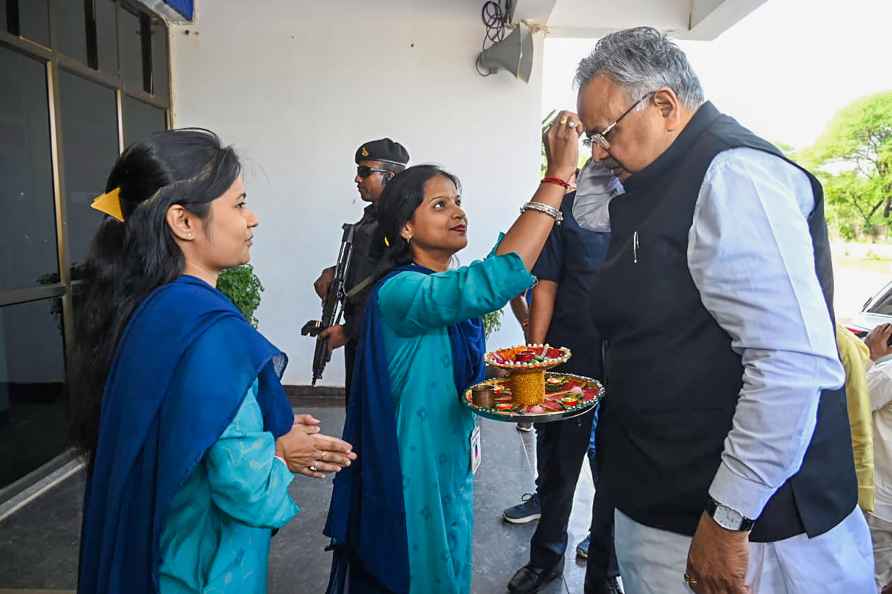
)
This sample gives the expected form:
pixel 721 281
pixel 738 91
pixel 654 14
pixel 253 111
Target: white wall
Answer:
pixel 297 86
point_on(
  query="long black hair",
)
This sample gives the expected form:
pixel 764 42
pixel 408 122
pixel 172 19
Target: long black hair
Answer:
pixel 402 195
pixel 128 260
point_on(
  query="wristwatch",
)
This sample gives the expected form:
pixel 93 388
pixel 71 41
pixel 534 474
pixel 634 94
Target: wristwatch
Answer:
pixel 728 518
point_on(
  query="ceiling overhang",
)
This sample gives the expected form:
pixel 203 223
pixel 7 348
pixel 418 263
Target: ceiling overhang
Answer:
pixel 684 19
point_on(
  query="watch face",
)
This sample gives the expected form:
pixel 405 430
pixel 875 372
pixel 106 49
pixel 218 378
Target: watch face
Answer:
pixel 727 518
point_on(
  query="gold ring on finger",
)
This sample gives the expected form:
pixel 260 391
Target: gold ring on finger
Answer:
pixel 563 120
pixel 312 468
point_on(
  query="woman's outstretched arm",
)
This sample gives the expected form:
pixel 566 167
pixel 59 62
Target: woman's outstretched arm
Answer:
pixel 528 233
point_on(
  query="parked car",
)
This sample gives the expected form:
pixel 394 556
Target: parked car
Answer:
pixel 877 310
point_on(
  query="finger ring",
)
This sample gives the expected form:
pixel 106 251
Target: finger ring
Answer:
pixel 689 580
pixel 563 121
pixel 571 125
pixel 312 468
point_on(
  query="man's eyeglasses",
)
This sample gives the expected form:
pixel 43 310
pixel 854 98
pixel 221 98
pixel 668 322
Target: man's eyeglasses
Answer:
pixel 365 170
pixel 601 138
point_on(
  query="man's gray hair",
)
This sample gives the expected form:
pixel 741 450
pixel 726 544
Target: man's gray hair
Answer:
pixel 642 60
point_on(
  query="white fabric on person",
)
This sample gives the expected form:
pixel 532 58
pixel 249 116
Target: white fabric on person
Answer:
pixel 653 561
pixel 596 186
pixel 879 384
pixel 881 536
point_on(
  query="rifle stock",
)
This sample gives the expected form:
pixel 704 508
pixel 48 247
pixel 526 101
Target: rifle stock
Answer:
pixel 332 306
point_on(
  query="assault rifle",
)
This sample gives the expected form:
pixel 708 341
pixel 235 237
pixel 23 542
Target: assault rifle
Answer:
pixel 332 306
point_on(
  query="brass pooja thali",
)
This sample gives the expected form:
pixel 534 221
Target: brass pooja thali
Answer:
pixel 530 393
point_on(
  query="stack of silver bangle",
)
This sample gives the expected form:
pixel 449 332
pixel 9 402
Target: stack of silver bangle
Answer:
pixel 551 211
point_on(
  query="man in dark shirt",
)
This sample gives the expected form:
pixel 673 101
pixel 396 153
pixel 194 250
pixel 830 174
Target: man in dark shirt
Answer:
pixel 377 162
pixel 561 315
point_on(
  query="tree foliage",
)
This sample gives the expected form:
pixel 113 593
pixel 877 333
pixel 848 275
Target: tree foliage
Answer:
pixel 853 158
pixel 492 322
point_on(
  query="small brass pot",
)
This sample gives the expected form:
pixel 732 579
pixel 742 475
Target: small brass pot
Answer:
pixel 483 396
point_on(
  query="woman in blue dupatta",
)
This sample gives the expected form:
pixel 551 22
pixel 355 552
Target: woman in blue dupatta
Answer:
pixel 401 517
pixel 178 407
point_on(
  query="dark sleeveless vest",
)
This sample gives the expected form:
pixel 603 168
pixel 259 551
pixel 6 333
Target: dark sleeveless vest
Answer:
pixel 673 380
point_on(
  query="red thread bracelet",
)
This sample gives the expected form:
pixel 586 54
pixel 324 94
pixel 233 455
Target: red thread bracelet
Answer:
pixel 555 180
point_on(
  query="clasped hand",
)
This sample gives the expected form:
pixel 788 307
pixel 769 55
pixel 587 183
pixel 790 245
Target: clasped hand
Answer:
pixel 309 452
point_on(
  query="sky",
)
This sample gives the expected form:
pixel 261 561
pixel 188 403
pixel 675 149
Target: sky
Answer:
pixel 783 71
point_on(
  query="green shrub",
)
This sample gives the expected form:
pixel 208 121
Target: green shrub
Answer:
pixel 243 287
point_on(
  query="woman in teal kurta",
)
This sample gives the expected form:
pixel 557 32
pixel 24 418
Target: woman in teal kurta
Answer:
pixel 416 332
pixel 178 405
pixel 433 429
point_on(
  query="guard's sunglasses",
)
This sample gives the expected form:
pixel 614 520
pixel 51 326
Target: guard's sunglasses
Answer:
pixel 365 170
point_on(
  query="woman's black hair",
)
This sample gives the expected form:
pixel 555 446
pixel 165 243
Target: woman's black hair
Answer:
pixel 402 195
pixel 128 260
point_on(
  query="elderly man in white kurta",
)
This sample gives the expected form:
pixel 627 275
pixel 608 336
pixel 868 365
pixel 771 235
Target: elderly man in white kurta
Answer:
pixel 725 437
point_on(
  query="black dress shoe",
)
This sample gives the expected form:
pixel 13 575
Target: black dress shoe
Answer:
pixel 530 578
pixel 605 586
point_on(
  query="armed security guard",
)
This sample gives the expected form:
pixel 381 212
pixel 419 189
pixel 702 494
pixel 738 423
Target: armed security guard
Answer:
pixel 377 162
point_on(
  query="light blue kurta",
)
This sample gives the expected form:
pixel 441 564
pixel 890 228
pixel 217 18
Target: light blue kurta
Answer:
pixel 433 428
pixel 752 259
pixel 215 537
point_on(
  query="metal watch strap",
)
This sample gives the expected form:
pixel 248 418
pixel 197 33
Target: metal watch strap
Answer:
pixel 551 211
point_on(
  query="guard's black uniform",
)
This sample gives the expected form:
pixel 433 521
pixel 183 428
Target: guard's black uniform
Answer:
pixel 363 260
pixel 571 258
pixel 362 265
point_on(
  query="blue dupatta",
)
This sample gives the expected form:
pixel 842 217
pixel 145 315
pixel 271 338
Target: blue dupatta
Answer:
pixel 367 518
pixel 152 435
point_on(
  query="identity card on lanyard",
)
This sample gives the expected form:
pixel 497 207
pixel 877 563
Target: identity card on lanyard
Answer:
pixel 476 449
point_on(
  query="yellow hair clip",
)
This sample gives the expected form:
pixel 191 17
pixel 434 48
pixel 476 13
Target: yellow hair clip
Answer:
pixel 110 204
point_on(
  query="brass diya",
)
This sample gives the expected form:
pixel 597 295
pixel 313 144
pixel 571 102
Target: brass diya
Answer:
pixel 483 396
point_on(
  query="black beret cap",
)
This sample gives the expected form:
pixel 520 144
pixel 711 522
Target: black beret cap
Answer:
pixel 385 150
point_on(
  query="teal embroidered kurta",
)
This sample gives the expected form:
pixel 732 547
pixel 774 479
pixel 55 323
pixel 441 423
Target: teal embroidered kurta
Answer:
pixel 215 537
pixel 433 428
